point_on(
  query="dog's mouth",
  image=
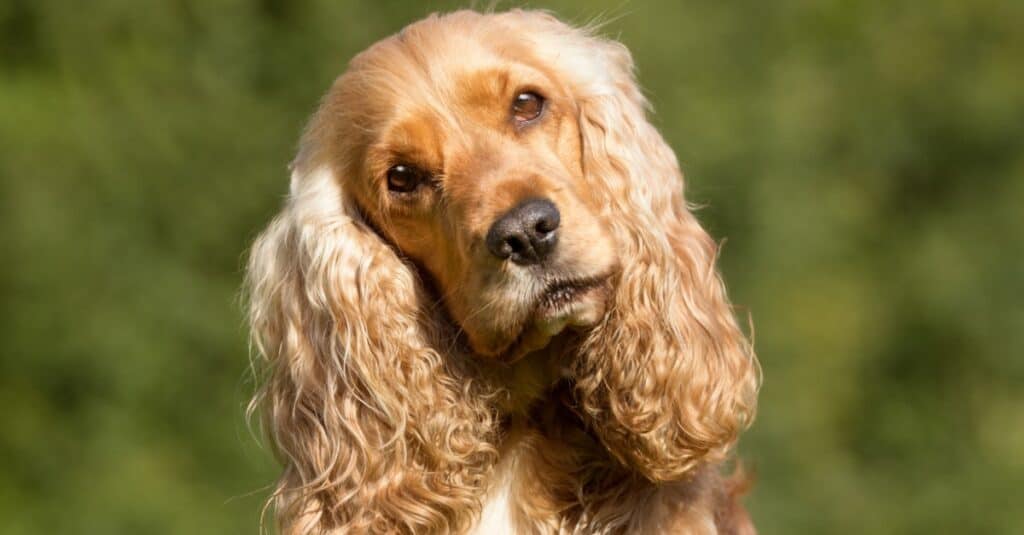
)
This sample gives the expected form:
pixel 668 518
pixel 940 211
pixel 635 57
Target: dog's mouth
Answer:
pixel 563 293
pixel 564 303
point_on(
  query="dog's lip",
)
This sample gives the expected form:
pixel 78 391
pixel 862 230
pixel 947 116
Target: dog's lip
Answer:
pixel 550 315
pixel 560 293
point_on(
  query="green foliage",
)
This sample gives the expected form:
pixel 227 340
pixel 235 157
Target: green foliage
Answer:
pixel 864 160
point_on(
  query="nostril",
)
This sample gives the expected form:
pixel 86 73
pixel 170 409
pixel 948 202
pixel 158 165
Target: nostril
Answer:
pixel 546 225
pixel 514 244
pixel 546 216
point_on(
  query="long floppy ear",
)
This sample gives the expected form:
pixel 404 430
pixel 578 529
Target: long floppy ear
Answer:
pixel 376 429
pixel 668 380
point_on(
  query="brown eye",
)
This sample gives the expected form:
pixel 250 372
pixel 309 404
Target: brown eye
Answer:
pixel 527 106
pixel 404 178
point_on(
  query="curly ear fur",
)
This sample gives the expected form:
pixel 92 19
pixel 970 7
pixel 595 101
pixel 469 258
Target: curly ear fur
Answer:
pixel 377 431
pixel 667 380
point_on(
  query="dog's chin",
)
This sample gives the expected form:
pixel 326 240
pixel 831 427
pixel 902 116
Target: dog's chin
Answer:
pixel 573 305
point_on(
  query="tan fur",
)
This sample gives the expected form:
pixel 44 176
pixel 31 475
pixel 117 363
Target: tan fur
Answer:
pixel 393 390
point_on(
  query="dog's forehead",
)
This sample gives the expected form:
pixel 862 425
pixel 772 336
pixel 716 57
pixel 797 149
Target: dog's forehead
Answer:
pixel 436 56
pixel 415 83
pixel 437 67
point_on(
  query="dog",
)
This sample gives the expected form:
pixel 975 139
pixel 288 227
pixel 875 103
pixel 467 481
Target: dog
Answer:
pixel 486 306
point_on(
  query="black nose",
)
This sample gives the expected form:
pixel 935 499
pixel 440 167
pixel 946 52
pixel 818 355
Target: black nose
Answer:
pixel 526 234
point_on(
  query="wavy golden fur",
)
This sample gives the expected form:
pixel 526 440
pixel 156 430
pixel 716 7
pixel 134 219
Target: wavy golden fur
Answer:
pixel 418 380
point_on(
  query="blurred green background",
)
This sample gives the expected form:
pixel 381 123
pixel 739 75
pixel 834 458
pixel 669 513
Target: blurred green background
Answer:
pixel 863 159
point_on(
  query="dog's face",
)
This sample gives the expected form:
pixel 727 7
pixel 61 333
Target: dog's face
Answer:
pixel 465 154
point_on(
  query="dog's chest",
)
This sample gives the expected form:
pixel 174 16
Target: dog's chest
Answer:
pixel 499 513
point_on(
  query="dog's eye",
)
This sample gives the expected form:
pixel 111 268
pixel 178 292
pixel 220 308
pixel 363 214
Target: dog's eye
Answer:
pixel 527 106
pixel 404 178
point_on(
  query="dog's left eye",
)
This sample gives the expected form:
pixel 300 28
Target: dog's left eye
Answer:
pixel 527 106
pixel 405 178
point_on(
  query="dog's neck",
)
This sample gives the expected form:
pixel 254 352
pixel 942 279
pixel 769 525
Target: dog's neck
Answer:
pixel 532 378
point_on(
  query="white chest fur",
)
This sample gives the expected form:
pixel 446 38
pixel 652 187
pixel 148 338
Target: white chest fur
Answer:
pixel 499 512
pixel 496 518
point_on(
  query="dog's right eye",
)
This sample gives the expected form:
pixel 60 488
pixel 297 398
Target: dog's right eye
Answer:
pixel 404 178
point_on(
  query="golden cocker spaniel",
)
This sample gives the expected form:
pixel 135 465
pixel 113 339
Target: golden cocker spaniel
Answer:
pixel 485 306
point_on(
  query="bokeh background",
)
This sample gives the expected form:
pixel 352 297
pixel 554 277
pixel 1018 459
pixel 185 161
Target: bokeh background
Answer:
pixel 863 160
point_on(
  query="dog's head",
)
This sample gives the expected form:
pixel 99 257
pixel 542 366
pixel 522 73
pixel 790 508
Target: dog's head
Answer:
pixel 459 142
pixel 504 160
